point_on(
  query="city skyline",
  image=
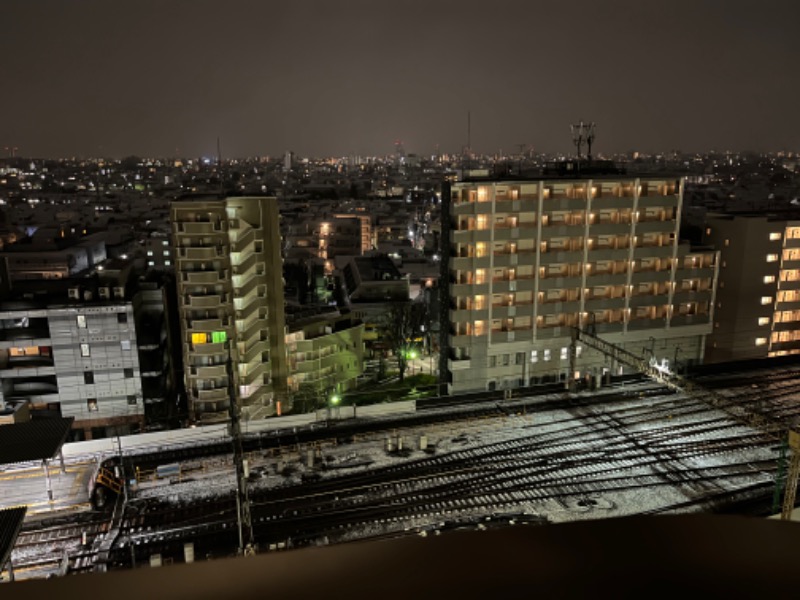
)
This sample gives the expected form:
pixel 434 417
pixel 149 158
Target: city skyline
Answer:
pixel 158 79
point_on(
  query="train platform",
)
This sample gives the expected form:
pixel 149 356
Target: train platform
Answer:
pixel 26 485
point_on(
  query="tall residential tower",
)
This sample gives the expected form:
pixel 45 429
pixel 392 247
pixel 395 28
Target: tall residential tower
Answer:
pixel 230 289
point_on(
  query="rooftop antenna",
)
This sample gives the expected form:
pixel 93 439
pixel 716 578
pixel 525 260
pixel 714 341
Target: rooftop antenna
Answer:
pixel 219 167
pixel 469 140
pixel 589 140
pixel 577 136
pixel 583 133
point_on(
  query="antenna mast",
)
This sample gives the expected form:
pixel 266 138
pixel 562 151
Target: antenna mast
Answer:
pixel 583 133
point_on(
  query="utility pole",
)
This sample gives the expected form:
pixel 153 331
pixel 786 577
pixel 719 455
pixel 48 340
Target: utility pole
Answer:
pixel 247 544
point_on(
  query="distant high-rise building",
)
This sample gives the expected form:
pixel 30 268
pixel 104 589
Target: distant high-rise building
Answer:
pixel 230 289
pixel 757 311
pixel 529 259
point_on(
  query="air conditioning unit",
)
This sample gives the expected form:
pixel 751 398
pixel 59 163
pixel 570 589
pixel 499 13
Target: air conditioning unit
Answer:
pixel 87 295
pixel 119 292
pixel 104 292
pixel 74 293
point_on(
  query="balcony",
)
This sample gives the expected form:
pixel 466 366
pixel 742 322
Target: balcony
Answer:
pixel 204 253
pixel 219 349
pixel 648 300
pixel 255 372
pixel 245 265
pixel 204 277
pixel 209 371
pixel 652 251
pixel 650 275
pixel 199 227
pixel 470 263
pixel 256 349
pixel 207 325
pixel 665 227
pixel 211 301
pixel 242 240
pixel 668 201
pixel 213 395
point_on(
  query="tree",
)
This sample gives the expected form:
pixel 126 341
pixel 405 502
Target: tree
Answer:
pixel 400 326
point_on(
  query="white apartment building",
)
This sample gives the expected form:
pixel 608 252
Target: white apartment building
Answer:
pixel 82 357
pixel 531 259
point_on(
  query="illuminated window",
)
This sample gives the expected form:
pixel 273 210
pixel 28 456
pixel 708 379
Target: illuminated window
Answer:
pixel 85 350
pixel 769 278
pixel 775 236
pixel 91 404
pixel 534 356
pixel 199 338
pixel 166 252
pixel 483 193
pixel 772 258
pixel 766 299
pixel 125 344
pixel 149 253
pixel 164 242
pixel 761 341
pixel 218 337
pixel 82 321
pixel 763 320
pixel 793 233
pixel 547 355
pixel 480 276
pixel 167 263
pixel 564 353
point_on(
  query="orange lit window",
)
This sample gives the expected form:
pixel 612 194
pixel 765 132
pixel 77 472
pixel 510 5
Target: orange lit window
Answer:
pixel 199 338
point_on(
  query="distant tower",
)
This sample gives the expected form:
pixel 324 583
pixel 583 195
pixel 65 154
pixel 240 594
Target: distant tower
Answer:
pixel 288 160
pixel 399 151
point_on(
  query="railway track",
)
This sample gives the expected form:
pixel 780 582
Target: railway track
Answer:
pixel 571 459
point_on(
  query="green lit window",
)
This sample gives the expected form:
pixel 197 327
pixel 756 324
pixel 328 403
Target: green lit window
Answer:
pixel 219 336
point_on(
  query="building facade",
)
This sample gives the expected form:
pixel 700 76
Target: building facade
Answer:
pixel 529 260
pixel 757 312
pixel 230 289
pixel 82 358
pixel 326 356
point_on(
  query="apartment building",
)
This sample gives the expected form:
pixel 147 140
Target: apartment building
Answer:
pixel 326 355
pixel 531 259
pixel 80 360
pixel 757 311
pixel 230 289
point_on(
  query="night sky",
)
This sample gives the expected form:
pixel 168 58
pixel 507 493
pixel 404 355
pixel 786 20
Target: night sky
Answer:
pixel 339 77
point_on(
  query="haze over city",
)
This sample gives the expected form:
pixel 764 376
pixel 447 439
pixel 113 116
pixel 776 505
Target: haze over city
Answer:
pixel 93 78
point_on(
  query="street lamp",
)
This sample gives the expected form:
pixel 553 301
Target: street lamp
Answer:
pixel 333 401
pixel 410 356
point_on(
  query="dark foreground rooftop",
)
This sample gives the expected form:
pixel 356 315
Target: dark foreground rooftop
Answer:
pixel 10 524
pixel 639 557
pixel 34 440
